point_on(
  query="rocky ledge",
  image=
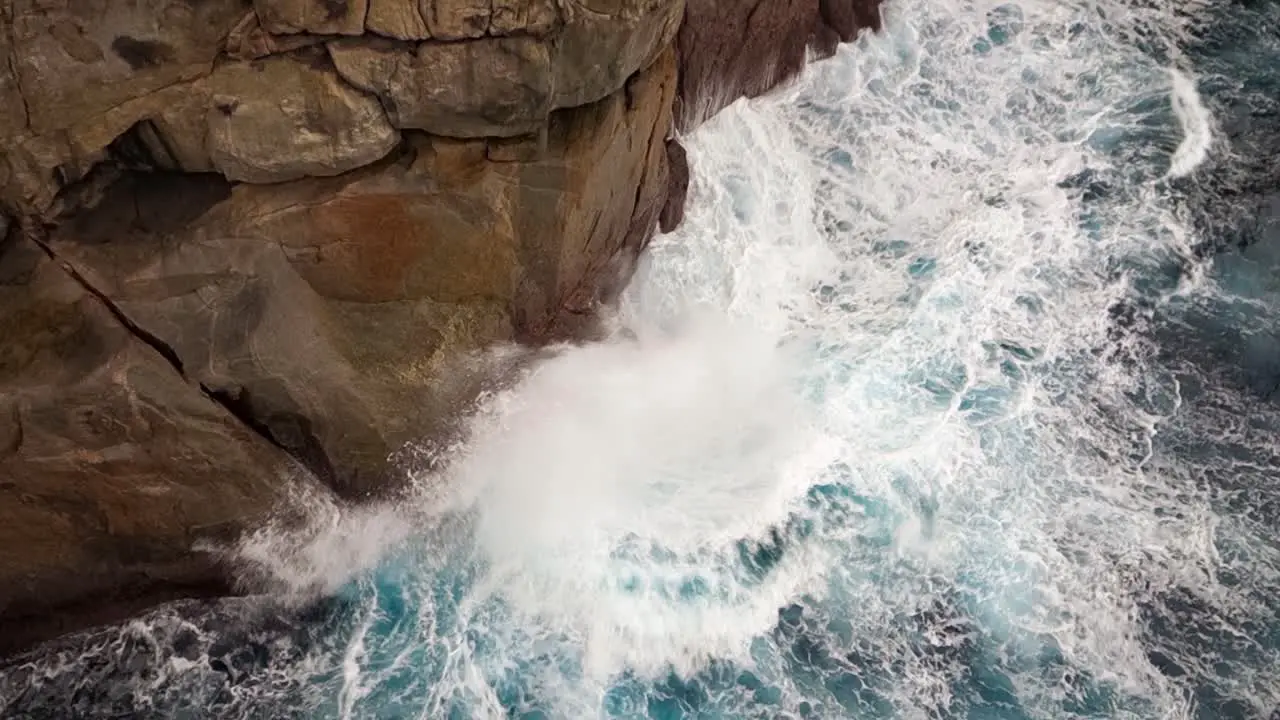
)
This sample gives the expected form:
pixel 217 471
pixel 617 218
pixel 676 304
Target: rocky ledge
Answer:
pixel 245 241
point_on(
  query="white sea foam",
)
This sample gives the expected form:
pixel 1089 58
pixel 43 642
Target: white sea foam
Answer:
pixel 1197 126
pixel 892 280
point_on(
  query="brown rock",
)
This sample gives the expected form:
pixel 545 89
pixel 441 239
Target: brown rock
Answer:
pixel 319 17
pixel 490 87
pixel 591 203
pixel 80 74
pixel 326 310
pixel 456 19
pixel 249 40
pixel 506 86
pixel 677 188
pixel 744 48
pixel 461 19
pixel 75 59
pixel 400 19
pixel 738 48
pixel 13 107
pixel 112 468
pixel 533 17
pixel 278 119
pixel 600 47
pixel 849 17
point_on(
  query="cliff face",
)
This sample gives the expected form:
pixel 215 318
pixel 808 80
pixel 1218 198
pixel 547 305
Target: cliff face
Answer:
pixel 244 241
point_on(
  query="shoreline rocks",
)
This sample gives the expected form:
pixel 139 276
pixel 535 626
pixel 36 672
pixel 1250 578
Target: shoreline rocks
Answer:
pixel 248 243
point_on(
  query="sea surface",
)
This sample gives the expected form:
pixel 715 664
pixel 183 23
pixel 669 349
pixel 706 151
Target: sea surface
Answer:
pixel 956 396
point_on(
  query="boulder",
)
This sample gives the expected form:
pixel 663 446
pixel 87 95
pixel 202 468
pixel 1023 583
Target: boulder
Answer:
pixel 278 119
pixel 112 467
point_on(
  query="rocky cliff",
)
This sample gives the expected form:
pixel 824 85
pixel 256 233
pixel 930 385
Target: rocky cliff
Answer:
pixel 245 241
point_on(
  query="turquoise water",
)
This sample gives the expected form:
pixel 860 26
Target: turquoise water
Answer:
pixel 954 397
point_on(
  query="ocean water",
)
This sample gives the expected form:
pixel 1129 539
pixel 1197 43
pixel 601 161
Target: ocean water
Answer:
pixel 956 396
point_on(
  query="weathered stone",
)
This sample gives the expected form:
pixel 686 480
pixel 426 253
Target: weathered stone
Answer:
pixel 75 59
pixel 735 48
pixel 491 87
pixel 326 310
pixel 605 41
pixel 249 40
pixel 87 71
pixel 400 19
pixel 13 106
pixel 112 468
pixel 505 87
pixel 533 17
pixel 744 48
pixel 319 17
pixel 278 119
pixel 35 169
pixel 849 17
pixel 456 19
pixel 517 149
pixel 589 205
pixel 461 19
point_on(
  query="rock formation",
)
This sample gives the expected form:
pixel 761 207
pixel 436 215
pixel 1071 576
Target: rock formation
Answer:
pixel 245 240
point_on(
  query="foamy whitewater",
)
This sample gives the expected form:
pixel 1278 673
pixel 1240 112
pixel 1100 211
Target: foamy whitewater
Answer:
pixel 955 396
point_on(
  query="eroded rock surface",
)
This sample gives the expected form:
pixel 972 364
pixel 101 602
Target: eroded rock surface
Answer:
pixel 112 467
pixel 744 48
pixel 257 240
pixel 325 309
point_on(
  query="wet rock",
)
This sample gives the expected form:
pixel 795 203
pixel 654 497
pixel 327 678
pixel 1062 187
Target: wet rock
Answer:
pixel 849 17
pixel 677 188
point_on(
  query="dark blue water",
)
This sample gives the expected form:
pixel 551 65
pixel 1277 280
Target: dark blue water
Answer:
pixel 1166 539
